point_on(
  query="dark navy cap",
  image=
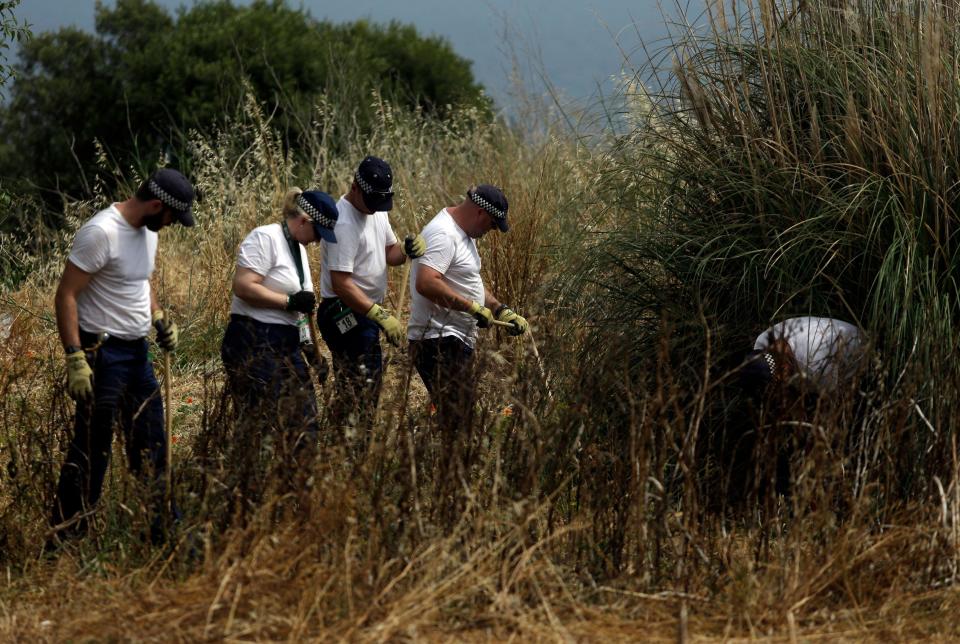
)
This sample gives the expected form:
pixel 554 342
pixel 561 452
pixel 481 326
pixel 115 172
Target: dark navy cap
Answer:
pixel 375 179
pixel 322 209
pixel 175 191
pixel 492 199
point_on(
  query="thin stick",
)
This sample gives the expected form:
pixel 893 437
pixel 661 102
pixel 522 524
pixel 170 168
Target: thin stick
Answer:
pixel 536 354
pixel 313 339
pixel 168 427
pixel 399 306
pixel 543 372
pixel 398 303
pixel 411 452
pixel 403 285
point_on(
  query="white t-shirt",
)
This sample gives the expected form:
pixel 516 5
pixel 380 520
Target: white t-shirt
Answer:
pixel 361 250
pixel 451 252
pixel 825 348
pixel 265 252
pixel 121 259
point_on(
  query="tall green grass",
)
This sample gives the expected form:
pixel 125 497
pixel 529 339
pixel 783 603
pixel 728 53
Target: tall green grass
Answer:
pixel 800 159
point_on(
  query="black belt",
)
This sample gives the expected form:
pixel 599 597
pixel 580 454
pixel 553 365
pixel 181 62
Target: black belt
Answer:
pixel 93 340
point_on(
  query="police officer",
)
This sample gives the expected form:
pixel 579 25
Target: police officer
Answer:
pixel 267 346
pixel 449 303
pixel 353 284
pixel 105 308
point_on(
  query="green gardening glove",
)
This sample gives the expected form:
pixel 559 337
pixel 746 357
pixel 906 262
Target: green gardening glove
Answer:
pixel 390 325
pixel 167 333
pixel 414 246
pixel 483 314
pixel 79 376
pixel 520 325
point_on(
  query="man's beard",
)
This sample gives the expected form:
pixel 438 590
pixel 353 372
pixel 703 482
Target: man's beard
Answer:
pixel 154 222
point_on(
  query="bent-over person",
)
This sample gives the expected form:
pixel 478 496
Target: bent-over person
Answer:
pixel 267 345
pixel 449 303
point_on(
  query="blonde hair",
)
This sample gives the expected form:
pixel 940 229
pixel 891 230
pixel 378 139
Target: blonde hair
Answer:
pixel 290 207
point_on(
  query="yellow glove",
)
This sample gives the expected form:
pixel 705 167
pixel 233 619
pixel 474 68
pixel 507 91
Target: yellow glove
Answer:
pixel 389 324
pixel 483 314
pixel 414 246
pixel 79 376
pixel 167 333
pixel 520 325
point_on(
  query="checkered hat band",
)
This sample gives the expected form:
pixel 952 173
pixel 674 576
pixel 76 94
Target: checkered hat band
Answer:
pixel 486 205
pixel 366 187
pixel 317 216
pixel 166 197
pixel 770 363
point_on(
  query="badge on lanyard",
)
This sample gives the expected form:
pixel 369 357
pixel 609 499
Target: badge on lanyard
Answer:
pixel 302 326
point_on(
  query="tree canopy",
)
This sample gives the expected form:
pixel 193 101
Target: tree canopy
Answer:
pixel 145 77
pixel 11 30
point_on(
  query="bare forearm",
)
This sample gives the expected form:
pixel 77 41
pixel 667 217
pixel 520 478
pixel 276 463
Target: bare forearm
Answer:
pixel 395 255
pixel 438 292
pixel 490 301
pixel 260 296
pixel 351 295
pixel 68 323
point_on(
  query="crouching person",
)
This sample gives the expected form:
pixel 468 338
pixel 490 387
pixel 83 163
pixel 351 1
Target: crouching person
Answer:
pixel 801 370
pixel 266 346
pixel 105 308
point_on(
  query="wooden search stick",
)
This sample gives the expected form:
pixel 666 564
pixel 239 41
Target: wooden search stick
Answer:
pixel 168 426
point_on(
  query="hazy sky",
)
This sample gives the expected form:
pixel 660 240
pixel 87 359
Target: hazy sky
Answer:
pixel 580 43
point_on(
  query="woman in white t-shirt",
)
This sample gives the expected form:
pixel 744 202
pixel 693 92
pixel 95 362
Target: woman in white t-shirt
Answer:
pixel 267 335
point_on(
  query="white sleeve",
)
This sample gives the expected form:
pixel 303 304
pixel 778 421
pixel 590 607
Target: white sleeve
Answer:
pixel 390 238
pixel 763 340
pixel 257 252
pixel 91 249
pixel 342 255
pixel 440 250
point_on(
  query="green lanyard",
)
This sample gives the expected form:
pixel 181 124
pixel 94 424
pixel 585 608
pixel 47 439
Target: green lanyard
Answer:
pixel 294 247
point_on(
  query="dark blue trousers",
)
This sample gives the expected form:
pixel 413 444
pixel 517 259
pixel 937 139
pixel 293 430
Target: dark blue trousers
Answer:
pixel 446 367
pixel 125 392
pixel 357 360
pixel 268 377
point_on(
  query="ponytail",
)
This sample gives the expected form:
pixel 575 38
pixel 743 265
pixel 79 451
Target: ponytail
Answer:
pixel 290 207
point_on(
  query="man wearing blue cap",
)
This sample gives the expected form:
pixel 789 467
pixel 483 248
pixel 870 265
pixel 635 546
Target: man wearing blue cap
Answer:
pixel 105 307
pixel 353 284
pixel 449 303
